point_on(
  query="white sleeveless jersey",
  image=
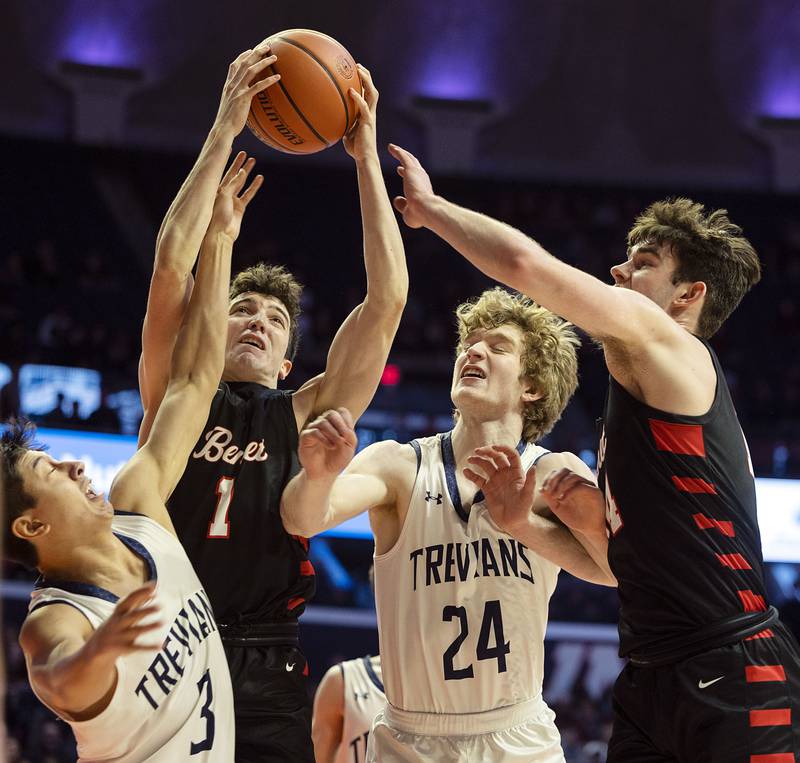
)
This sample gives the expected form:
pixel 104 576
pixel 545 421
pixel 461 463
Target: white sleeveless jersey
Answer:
pixel 171 705
pixel 363 700
pixel 462 606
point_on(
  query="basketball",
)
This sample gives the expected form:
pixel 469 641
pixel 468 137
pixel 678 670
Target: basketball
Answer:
pixel 309 108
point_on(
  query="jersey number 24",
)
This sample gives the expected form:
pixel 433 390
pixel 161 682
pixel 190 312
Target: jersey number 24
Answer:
pixel 491 628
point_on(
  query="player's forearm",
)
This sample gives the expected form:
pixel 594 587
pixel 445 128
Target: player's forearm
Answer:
pixel 188 216
pixel 306 505
pixel 199 353
pixel 596 545
pixel 384 254
pixel 76 681
pixel 553 541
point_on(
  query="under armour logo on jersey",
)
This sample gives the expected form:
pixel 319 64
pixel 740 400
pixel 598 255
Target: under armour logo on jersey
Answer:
pixel 437 497
pixel 361 695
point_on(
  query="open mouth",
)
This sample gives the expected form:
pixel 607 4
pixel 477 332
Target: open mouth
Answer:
pixel 472 372
pixel 253 341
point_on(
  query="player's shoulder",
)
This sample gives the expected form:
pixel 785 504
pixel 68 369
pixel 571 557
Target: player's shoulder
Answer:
pixel 389 456
pixel 550 461
pixel 49 624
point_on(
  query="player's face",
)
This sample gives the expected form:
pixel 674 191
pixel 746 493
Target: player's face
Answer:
pixel 258 335
pixel 64 496
pixel 649 270
pixel 488 370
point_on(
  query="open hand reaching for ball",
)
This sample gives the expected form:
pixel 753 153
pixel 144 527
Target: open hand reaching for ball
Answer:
pixel 360 142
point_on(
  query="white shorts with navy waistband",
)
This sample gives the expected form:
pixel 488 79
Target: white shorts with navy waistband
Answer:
pixel 523 732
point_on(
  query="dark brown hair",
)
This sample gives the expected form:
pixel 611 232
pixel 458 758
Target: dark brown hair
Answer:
pixel 708 248
pixel 16 440
pixel 273 281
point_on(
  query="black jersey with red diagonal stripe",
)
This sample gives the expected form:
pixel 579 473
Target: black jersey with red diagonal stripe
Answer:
pixel 681 511
pixel 226 508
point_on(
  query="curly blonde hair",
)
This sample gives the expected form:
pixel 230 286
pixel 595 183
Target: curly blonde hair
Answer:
pixel 549 355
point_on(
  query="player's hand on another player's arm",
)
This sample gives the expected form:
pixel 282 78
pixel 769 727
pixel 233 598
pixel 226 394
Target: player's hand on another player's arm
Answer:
pixel 576 501
pixel 328 444
pixel 360 141
pixel 233 198
pixel 247 76
pixel 417 188
pixel 508 490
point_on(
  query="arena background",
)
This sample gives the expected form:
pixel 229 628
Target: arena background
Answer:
pixel 564 118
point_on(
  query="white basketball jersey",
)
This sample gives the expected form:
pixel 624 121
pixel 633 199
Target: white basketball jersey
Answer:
pixel 363 700
pixel 462 606
pixel 171 705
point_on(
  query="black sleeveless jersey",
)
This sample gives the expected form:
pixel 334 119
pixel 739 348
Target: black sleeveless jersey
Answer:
pixel 226 508
pixel 681 511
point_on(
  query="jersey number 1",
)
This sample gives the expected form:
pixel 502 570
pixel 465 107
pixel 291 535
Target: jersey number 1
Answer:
pixel 219 527
pixel 492 621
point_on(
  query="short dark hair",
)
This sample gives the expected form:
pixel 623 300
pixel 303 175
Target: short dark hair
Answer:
pixel 273 281
pixel 708 248
pixel 15 441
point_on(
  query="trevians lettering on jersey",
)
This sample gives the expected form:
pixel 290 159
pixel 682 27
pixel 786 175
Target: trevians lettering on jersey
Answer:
pixel 484 557
pixel 218 447
pixel 193 624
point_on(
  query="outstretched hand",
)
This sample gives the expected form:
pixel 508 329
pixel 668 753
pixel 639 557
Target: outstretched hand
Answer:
pixel 360 141
pixel 507 488
pixel 119 635
pixel 244 81
pixel 576 501
pixel 417 188
pixel 231 201
pixel 328 444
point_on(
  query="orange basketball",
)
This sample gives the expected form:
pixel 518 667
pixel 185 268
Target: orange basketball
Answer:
pixel 308 109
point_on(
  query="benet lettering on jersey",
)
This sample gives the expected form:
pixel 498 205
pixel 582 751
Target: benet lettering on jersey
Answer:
pixel 485 557
pixel 191 627
pixel 218 447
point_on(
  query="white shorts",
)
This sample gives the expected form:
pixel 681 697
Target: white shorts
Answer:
pixel 522 732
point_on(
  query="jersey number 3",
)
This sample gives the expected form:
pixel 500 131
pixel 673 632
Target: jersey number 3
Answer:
pixel 492 621
pixel 219 527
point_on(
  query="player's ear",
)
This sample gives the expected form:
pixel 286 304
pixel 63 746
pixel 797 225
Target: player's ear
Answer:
pixel 691 293
pixel 286 366
pixel 27 527
pixel 529 395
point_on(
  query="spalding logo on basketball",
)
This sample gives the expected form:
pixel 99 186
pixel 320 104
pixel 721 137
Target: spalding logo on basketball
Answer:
pixel 308 109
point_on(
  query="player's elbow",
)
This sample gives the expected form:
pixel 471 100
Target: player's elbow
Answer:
pixel 296 524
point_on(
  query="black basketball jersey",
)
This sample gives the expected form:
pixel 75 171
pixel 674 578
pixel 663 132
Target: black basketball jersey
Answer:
pixel 681 511
pixel 226 508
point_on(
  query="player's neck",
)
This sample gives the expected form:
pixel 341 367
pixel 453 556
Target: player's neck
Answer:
pixel 104 561
pixel 469 434
pixel 266 380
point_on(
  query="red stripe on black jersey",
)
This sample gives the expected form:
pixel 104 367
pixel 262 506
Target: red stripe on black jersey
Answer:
pixel 706 523
pixel 683 439
pixel 306 568
pixel 693 485
pixel 775 757
pixel 734 561
pixel 759 673
pixel 752 602
pixel 764 634
pixel 779 717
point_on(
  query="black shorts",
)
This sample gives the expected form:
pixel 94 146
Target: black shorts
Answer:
pixel 732 704
pixel 271 704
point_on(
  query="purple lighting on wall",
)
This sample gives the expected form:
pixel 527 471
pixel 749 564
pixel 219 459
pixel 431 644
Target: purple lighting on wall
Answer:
pixel 780 92
pixel 98 41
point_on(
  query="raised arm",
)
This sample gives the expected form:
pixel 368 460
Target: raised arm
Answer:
pixel 358 353
pixel 517 506
pixel 185 224
pixel 71 666
pixel 148 479
pixel 321 495
pixel 511 257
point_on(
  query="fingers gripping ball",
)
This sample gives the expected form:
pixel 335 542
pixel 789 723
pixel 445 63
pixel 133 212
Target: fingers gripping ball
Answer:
pixel 309 108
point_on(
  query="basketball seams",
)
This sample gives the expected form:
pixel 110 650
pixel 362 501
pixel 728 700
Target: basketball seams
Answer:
pixel 301 115
pixel 262 134
pixel 327 71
